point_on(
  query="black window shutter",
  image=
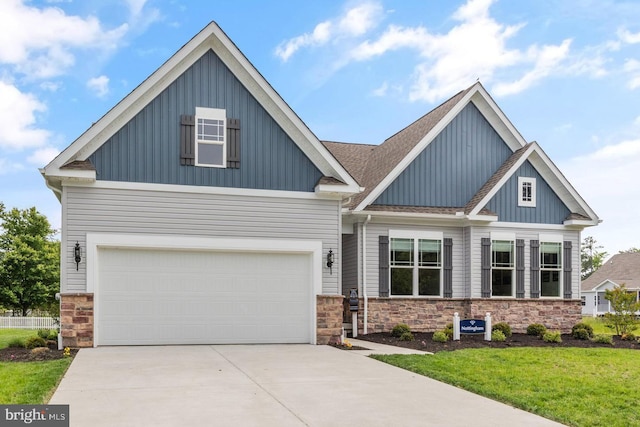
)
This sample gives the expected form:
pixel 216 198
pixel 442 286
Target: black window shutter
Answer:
pixel 519 268
pixel 233 143
pixel 447 260
pixel 535 269
pixel 383 269
pixel 567 269
pixel 187 140
pixel 485 261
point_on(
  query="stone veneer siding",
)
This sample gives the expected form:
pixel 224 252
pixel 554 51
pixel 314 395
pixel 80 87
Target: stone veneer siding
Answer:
pixel 76 318
pixel 329 310
pixel 427 315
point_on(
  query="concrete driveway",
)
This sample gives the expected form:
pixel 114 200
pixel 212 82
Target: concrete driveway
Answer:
pixel 264 385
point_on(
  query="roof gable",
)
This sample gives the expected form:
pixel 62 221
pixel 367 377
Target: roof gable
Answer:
pixel 210 38
pixel 619 269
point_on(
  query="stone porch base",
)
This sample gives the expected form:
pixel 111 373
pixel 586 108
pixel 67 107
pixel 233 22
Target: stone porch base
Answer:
pixel 428 315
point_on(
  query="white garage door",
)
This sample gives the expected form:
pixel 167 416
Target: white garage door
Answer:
pixel 147 297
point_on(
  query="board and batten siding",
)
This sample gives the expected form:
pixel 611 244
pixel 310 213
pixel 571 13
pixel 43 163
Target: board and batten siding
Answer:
pixel 477 233
pixel 549 208
pixel 453 167
pixel 374 230
pixel 100 210
pixel 349 262
pixel 147 148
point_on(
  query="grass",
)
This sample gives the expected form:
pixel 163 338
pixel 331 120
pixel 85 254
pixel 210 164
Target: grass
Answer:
pixel 575 386
pixel 28 382
pixel 597 323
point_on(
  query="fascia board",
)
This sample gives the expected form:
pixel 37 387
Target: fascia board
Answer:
pixel 346 190
pixel 498 120
pixel 212 37
pixel 501 182
pixel 420 146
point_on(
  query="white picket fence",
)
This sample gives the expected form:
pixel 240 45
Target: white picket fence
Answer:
pixel 27 323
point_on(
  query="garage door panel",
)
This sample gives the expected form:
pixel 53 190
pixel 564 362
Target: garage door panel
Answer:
pixel 198 297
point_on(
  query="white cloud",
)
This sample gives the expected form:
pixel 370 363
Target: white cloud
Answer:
pixel 43 156
pixel 607 179
pixel 99 85
pixel 381 91
pixel 18 118
pixel 353 23
pixel 8 167
pixel 632 68
pixel 140 16
pixel 50 86
pixel 628 37
pixel 39 42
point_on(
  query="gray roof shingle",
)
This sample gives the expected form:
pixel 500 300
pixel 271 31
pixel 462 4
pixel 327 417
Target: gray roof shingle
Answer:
pixel 620 268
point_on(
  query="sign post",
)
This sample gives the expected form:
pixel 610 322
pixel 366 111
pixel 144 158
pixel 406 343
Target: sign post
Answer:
pixel 456 326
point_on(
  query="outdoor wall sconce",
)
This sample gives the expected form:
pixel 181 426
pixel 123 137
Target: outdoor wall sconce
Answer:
pixel 330 260
pixel 77 255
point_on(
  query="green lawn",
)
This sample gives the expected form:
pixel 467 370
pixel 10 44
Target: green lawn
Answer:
pixel 28 382
pixel 575 386
pixel 597 323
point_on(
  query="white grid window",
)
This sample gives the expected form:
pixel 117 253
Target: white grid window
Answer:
pixel 527 192
pixel 415 263
pixel 211 150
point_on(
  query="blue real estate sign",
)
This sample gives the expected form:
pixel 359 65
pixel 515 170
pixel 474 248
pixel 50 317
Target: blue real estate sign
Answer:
pixel 472 326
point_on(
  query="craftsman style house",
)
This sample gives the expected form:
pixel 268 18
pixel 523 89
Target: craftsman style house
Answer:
pixel 201 209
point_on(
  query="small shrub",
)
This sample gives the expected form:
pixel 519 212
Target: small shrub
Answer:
pixel 43 333
pixel 16 343
pixel 584 326
pixel 628 337
pixel 400 329
pixel 552 336
pixel 536 329
pixel 449 330
pixel 502 327
pixel 33 342
pixel 603 339
pixel 580 334
pixel 497 335
pixel 53 334
pixel 40 350
pixel 406 336
pixel 440 336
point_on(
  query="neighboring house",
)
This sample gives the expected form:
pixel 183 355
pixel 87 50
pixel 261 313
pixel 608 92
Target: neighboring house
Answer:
pixel 620 269
pixel 204 210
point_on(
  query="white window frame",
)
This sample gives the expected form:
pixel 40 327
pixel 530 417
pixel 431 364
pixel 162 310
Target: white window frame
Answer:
pixel 552 238
pixel 211 114
pixel 526 201
pixel 504 237
pixel 416 236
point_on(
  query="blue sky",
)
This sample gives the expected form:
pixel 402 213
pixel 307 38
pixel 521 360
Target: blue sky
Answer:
pixel 567 74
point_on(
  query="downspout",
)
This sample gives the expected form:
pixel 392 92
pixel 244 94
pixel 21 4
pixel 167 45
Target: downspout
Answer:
pixel 364 273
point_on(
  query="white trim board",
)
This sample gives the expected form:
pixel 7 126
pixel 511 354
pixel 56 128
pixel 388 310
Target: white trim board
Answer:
pixel 94 241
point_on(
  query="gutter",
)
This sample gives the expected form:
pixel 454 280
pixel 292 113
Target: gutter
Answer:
pixel 364 274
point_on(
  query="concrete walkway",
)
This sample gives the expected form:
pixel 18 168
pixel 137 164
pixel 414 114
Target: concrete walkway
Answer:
pixel 264 385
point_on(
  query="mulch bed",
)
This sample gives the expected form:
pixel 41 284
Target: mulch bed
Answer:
pixel 424 342
pixel 28 355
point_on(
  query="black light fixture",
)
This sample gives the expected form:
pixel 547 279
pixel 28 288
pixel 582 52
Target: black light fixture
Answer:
pixel 330 260
pixel 77 255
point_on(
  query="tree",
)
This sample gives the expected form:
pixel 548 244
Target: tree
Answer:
pixel 29 261
pixel 591 257
pixel 633 250
pixel 624 305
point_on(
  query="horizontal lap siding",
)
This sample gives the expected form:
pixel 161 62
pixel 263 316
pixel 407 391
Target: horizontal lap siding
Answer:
pixel 91 210
pixel 375 230
pixel 528 235
pixel 349 262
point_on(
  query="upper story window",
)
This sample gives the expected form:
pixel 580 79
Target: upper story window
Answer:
pixel 211 148
pixel 526 192
pixel 502 267
pixel 415 263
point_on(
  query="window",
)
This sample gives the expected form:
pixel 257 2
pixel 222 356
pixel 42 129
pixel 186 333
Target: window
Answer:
pixel 550 268
pixel 415 264
pixel 502 265
pixel 211 150
pixel 583 301
pixel 527 192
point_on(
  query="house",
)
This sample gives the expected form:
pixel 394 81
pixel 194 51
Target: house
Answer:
pixel 202 210
pixel 620 269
